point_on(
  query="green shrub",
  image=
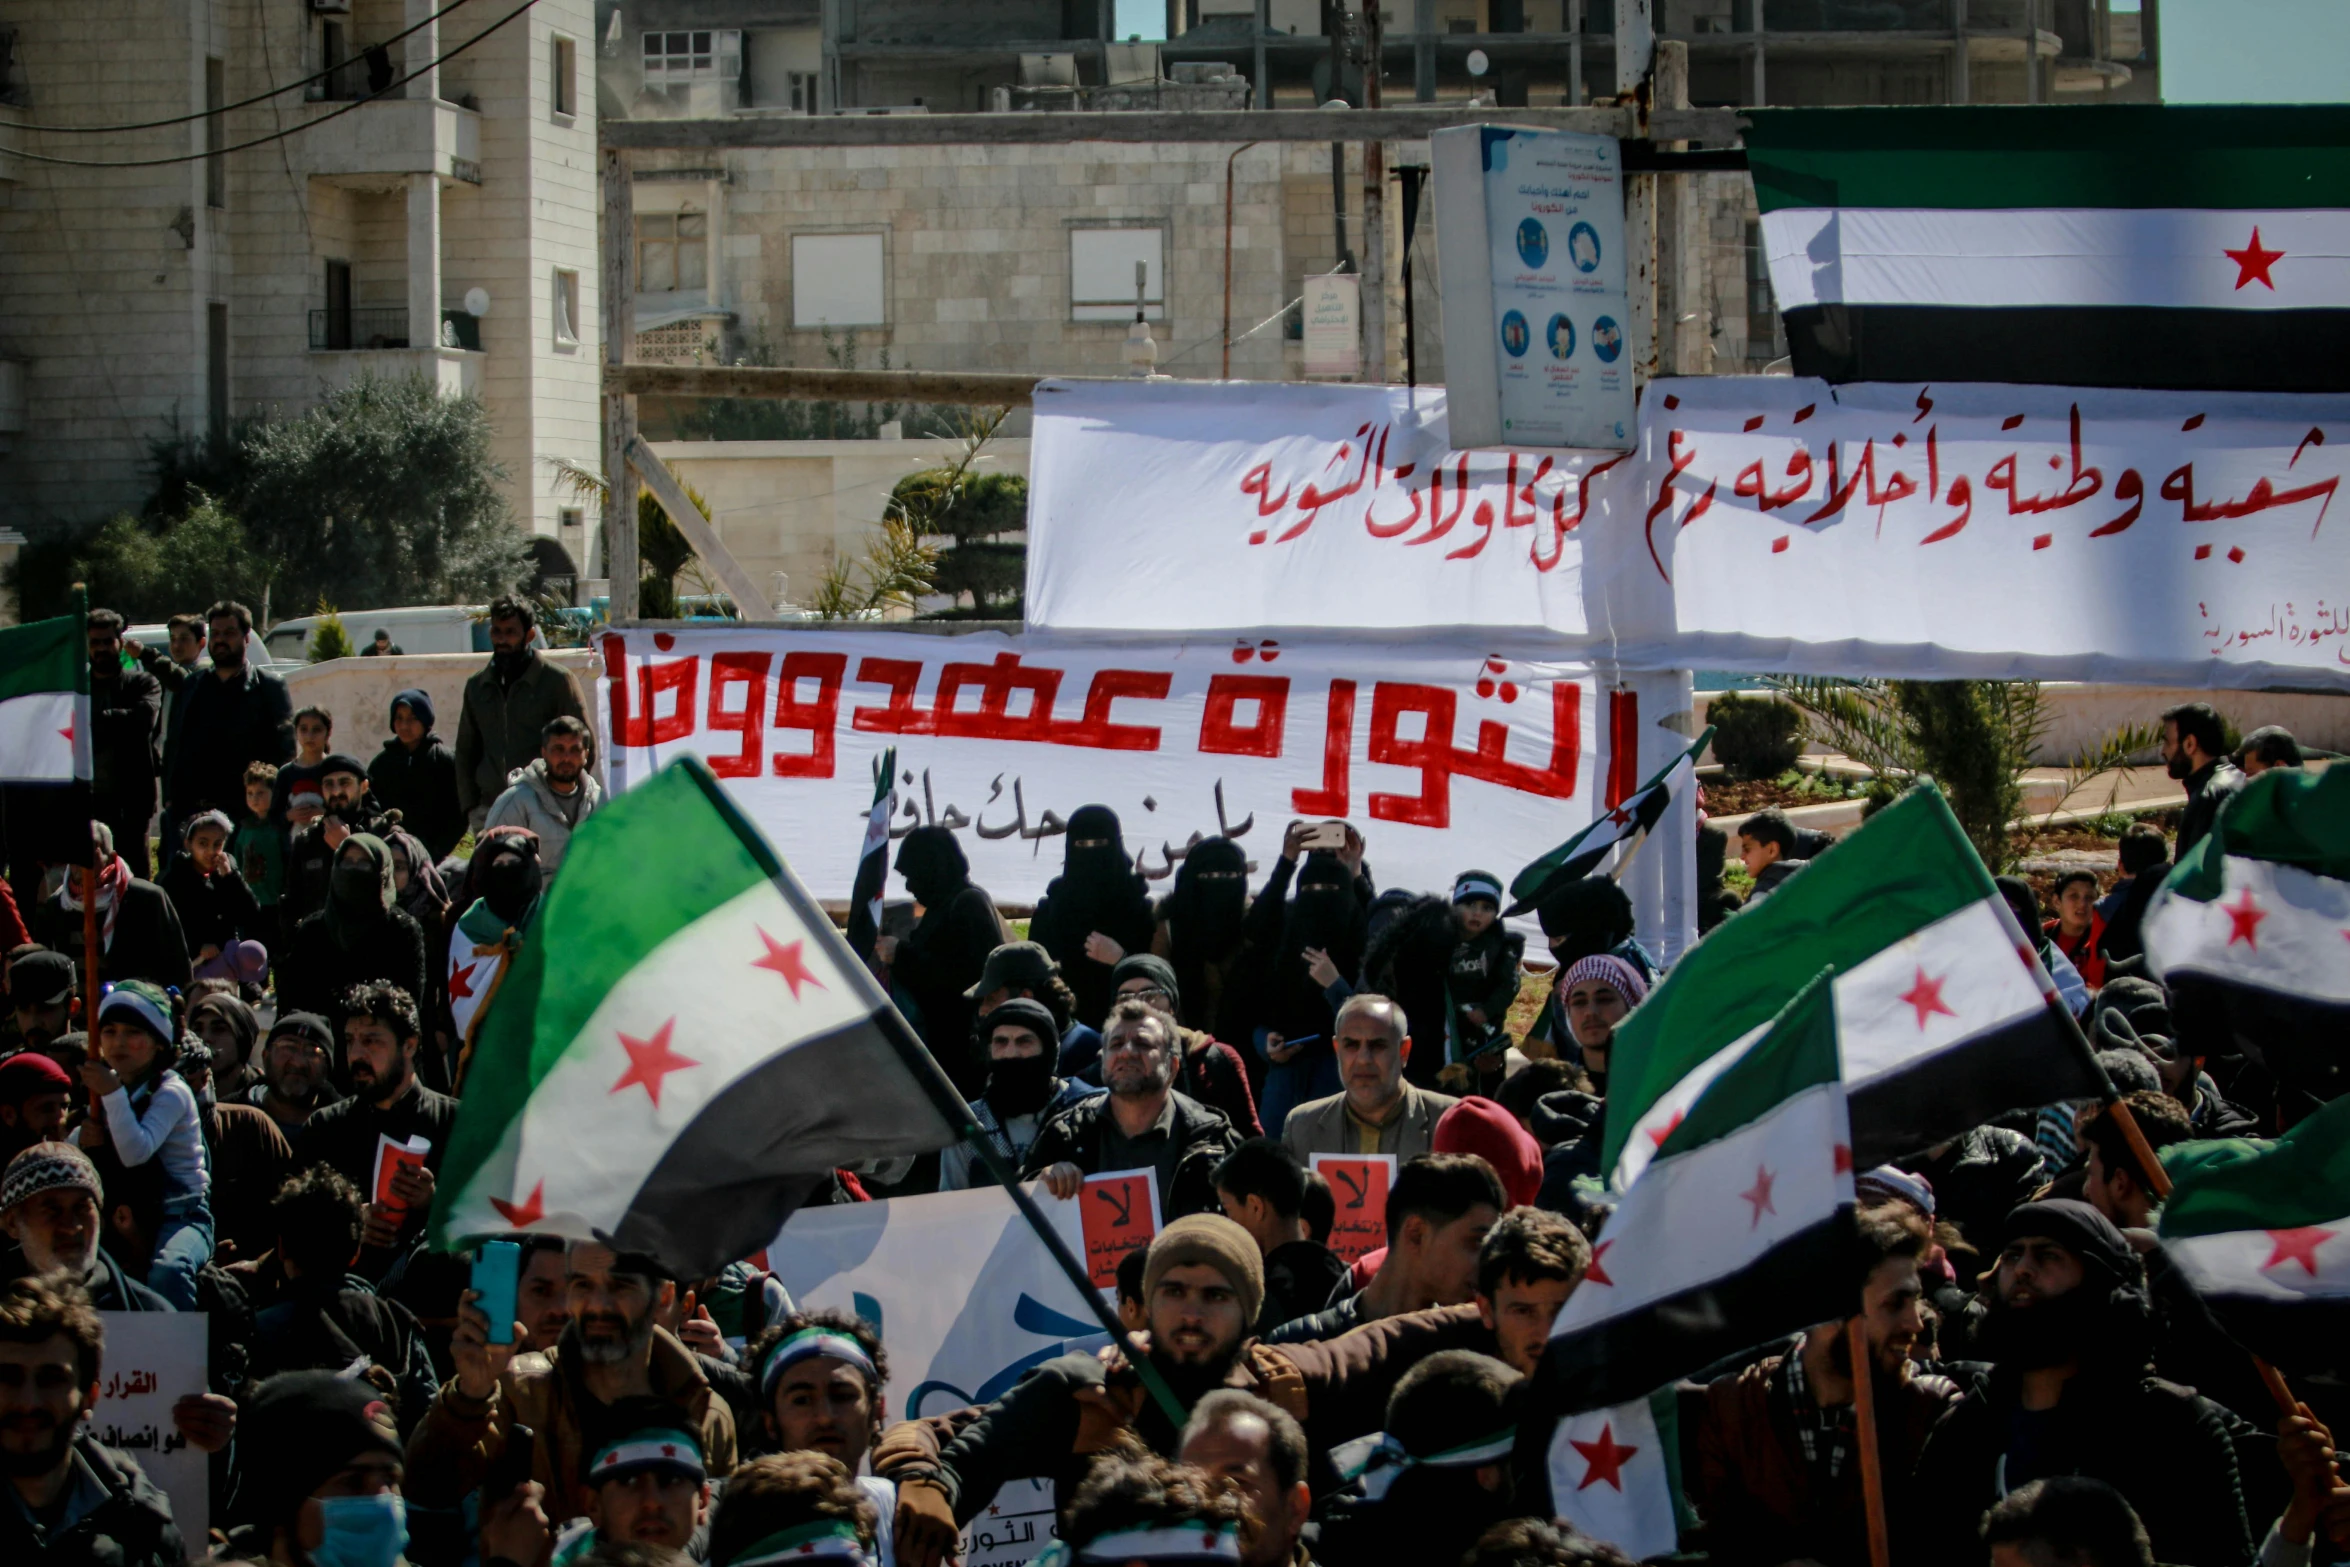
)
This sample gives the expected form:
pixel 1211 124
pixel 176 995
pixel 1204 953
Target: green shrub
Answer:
pixel 328 639
pixel 1755 737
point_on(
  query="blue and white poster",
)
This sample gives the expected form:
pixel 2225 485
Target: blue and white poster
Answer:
pixel 1530 235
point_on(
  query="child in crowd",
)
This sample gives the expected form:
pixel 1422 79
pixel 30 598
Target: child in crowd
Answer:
pixel 1767 848
pixel 1482 979
pixel 260 845
pixel 217 909
pixel 314 731
pixel 151 1113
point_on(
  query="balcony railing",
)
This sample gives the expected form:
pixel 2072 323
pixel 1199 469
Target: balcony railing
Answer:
pixel 386 326
pixel 369 70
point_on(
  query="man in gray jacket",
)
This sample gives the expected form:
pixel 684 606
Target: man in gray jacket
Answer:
pixel 554 794
pixel 1380 1110
pixel 507 707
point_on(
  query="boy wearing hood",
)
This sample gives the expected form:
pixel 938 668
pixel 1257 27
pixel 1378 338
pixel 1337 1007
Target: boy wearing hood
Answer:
pixel 552 795
pixel 416 774
pixel 1482 980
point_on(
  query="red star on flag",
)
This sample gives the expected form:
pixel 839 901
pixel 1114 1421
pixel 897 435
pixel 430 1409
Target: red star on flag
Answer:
pixel 784 957
pixel 1926 996
pixel 668 1449
pixel 2244 917
pixel 2252 262
pixel 1593 1273
pixel 522 1215
pixel 651 1060
pixel 67 731
pixel 1843 1159
pixel 461 980
pixel 2297 1245
pixel 1759 1195
pixel 1606 1458
pixel 1659 1134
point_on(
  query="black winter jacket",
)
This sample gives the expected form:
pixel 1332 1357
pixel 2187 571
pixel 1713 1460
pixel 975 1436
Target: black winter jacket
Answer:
pixel 422 786
pixel 131 1528
pixel 1198 1140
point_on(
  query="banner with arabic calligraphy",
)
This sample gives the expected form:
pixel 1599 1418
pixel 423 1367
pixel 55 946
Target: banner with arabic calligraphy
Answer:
pixel 1446 754
pixel 1988 532
pixel 1192 506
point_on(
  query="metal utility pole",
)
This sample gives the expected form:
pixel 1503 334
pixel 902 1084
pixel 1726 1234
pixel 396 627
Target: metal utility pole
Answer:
pixel 1374 289
pixel 618 283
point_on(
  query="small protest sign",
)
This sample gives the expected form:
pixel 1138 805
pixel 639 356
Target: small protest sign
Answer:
pixel 1014 1529
pixel 1359 1185
pixel 390 1159
pixel 1120 1212
pixel 153 1359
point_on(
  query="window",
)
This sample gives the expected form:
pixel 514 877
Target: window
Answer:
pixel 216 369
pixel 837 280
pixel 564 96
pixel 672 250
pixel 215 134
pixel 1764 340
pixel 801 86
pixel 566 308
pixel 1101 273
pixel 707 55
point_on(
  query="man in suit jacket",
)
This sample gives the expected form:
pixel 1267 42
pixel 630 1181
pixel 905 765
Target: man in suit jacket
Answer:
pixel 1379 1111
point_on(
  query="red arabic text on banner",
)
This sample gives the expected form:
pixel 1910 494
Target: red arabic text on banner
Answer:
pixel 1359 1184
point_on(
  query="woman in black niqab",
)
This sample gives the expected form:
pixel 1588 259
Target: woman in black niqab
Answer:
pixel 1202 930
pixel 941 957
pixel 1098 894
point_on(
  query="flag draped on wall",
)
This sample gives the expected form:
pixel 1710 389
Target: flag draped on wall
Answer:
pixel 2203 248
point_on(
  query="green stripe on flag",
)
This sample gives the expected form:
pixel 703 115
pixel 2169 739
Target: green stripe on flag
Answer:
pixel 1799 1052
pixel 613 908
pixel 2286 815
pixel 2108 155
pixel 47 655
pixel 2303 1178
pixel 1904 868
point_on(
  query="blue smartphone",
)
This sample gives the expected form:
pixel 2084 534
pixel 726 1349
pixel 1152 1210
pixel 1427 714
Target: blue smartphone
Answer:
pixel 497 1286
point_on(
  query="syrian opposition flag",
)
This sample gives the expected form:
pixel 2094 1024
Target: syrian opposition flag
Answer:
pixel 1946 1016
pixel 873 859
pixel 1738 1231
pixel 45 702
pixel 1634 815
pixel 676 1059
pixel 2259 913
pixel 2262 1231
pixel 2204 248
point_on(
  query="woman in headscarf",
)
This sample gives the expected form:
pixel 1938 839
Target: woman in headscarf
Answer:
pixel 478 934
pixel 361 936
pixel 942 956
pixel 416 880
pixel 1323 926
pixel 228 1028
pixel 1095 912
pixel 139 935
pixel 1203 930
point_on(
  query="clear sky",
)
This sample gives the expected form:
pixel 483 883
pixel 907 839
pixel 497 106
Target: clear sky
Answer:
pixel 2213 51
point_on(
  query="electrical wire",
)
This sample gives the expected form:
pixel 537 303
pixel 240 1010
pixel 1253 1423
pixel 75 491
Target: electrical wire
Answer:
pixel 242 103
pixel 262 141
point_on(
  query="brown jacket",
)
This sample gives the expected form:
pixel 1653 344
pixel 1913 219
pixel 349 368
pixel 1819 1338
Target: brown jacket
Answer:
pixel 459 1439
pixel 1764 1504
pixel 1352 1375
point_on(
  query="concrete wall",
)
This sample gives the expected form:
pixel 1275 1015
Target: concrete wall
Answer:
pixel 357 692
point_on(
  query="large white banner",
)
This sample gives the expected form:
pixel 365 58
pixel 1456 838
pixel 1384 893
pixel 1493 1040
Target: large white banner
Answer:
pixel 1764 523
pixel 1445 755
pixel 1192 506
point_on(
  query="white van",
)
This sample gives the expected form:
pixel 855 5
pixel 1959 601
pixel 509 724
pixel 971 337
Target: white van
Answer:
pixel 422 628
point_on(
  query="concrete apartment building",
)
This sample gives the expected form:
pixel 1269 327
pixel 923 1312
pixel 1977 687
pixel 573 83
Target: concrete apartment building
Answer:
pixel 356 237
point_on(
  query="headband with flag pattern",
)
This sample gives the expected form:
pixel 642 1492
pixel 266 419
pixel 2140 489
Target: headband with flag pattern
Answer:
pixel 654 1448
pixel 1166 1543
pixel 825 1540
pixel 1379 1460
pixel 809 1343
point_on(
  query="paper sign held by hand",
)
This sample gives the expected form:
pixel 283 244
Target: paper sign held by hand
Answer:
pixel 1120 1211
pixel 1358 1184
pixel 390 1159
pixel 153 1360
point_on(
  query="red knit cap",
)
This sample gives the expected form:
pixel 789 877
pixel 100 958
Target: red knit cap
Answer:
pixel 1477 1125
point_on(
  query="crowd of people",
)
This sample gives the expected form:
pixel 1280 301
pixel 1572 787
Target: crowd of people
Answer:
pixel 296 990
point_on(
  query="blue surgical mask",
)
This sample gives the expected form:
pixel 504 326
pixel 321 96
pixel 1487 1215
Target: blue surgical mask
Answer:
pixel 361 1531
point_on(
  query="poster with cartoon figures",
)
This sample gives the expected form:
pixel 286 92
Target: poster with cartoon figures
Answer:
pixel 1530 235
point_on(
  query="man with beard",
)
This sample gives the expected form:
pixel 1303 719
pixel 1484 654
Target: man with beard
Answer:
pixel 49 1204
pixel 1257 1450
pixel 41 990
pixel 1141 1121
pixel 1022 970
pixel 1322 929
pixel 126 731
pixel 351 807
pixel 1207 1069
pixel 36 1099
pixel 1439 1475
pixel 73 1499
pixel 821 1376
pixel 379 1055
pixel 1378 1111
pixel 943 956
pixel 507 709
pixel 646 1485
pixel 1202 1286
pixel 294 1064
pixel 2195 751
pixel 1202 930
pixel 610 1350
pixel 2066 1329
pixel 552 795
pixel 1022 1092
pixel 1777 1477
pixel 1096 911
pixel 223 723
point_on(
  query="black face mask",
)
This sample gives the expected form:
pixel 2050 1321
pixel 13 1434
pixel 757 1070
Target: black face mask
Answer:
pixel 508 883
pixel 358 886
pixel 1019 1086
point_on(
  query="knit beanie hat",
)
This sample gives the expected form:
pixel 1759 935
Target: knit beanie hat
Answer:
pixel 29 1072
pixel 1477 884
pixel 1034 1016
pixel 49 1167
pixel 2130 1071
pixel 299 1429
pixel 1212 1239
pixel 145 1003
pixel 1142 965
pixel 1477 1125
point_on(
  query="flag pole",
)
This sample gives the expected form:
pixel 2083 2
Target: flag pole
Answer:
pixel 89 876
pixel 1872 1468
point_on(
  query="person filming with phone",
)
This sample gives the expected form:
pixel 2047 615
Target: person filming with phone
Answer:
pixel 1312 944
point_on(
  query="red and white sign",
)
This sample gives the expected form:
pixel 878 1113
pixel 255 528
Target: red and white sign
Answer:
pixel 1119 1212
pixel 1444 754
pixel 1359 1184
